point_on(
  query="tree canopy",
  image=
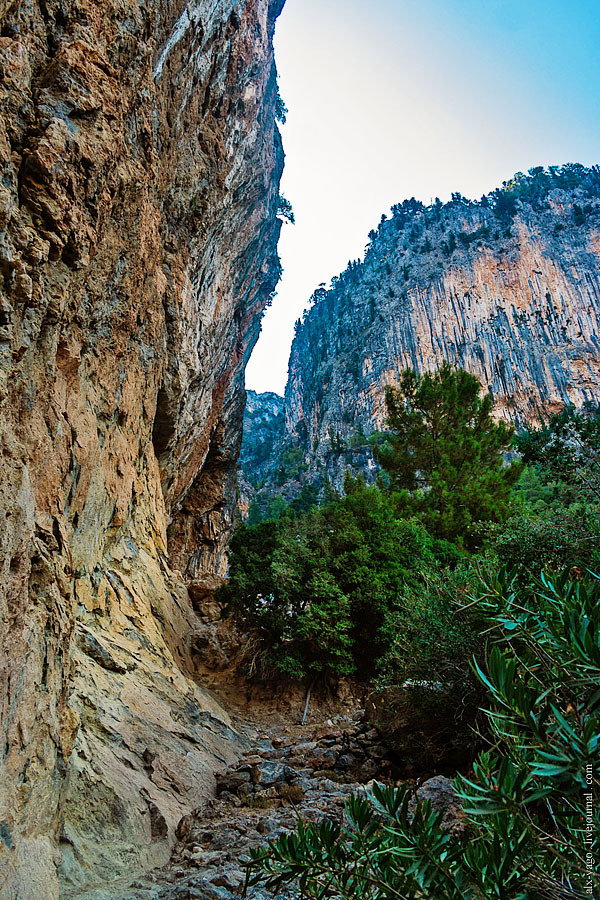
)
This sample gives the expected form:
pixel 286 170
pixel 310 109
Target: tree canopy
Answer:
pixel 445 453
pixel 317 588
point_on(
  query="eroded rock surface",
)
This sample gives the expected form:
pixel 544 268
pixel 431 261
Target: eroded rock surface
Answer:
pixel 513 298
pixel 507 287
pixel 140 167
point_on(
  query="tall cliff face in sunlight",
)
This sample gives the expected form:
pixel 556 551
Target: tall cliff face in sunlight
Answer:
pixel 510 294
pixel 140 168
pixel 507 288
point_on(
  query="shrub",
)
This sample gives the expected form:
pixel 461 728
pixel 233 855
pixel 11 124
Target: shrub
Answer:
pixel 566 447
pixel 428 698
pixel 552 540
pixel 528 811
pixel 284 209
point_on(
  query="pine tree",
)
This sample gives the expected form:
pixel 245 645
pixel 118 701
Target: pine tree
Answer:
pixel 445 453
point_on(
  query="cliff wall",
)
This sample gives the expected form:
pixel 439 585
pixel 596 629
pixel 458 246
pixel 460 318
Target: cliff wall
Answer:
pixel 513 296
pixel 140 166
pixel 507 287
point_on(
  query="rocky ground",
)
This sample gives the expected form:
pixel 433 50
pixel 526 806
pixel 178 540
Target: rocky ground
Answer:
pixel 291 771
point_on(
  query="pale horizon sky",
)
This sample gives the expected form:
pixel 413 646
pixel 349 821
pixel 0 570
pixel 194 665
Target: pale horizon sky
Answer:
pixel 390 99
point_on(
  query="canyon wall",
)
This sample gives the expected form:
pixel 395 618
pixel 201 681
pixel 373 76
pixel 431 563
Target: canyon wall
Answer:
pixel 513 296
pixel 507 287
pixel 140 168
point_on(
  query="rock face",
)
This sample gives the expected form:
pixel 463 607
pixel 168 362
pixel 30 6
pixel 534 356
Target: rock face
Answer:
pixel 140 167
pixel 263 430
pixel 507 288
pixel 263 433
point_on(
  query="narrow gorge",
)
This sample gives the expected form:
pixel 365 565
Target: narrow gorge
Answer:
pixel 140 214
pixel 138 207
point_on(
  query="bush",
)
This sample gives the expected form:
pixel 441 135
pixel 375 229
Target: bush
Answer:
pixel 528 811
pixel 566 448
pixel 317 588
pixel 553 540
pixel 428 698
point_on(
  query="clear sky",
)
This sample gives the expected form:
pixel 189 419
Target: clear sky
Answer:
pixel 391 99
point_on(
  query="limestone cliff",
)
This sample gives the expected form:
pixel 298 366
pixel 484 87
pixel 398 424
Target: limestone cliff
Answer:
pixel 140 168
pixel 507 287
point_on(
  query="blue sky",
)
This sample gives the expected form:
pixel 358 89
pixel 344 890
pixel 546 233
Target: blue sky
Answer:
pixel 398 98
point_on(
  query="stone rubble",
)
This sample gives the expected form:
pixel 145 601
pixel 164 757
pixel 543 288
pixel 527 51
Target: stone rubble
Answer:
pixel 296 772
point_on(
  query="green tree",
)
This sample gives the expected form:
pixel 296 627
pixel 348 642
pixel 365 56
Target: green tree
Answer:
pixel 316 589
pixel 280 588
pixel 551 539
pixel 306 499
pixel 445 454
pixel 566 448
pixel 265 509
pixel 292 465
pixel 373 556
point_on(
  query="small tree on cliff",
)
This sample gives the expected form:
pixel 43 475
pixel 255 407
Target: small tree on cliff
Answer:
pixel 444 454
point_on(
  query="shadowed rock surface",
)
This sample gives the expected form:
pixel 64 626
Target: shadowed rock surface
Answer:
pixel 140 167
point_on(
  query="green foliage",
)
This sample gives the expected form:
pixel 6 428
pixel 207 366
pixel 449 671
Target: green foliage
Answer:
pixel 526 807
pixel 534 187
pixel 445 454
pixel 359 439
pixel 566 448
pixel 535 491
pixel 336 443
pixel 551 539
pixel 449 247
pixel 292 464
pixel 469 237
pixel 306 499
pixel 342 567
pixel 431 697
pixel 280 588
pixel 268 509
pixel 281 109
pixel 558 495
pixel 373 556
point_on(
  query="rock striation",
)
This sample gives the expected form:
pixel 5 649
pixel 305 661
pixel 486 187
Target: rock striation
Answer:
pixel 263 433
pixel 507 287
pixel 140 167
pixel 263 429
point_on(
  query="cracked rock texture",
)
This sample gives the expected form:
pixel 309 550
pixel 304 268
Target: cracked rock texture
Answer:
pixel 507 287
pixel 140 167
